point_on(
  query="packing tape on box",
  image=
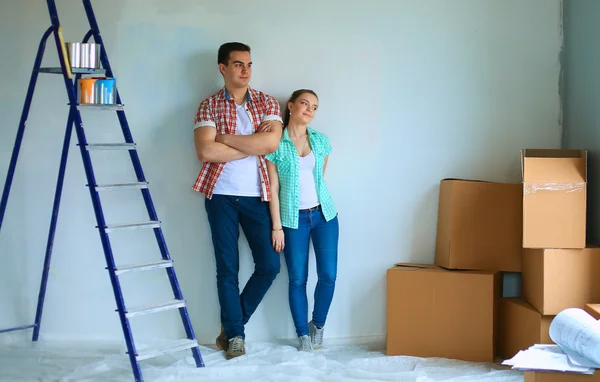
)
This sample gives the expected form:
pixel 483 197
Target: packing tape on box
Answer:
pixel 532 188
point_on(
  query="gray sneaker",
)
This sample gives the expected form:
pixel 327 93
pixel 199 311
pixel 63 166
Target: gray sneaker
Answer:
pixel 236 348
pixel 305 344
pixel 316 335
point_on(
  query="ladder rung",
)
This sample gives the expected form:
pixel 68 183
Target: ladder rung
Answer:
pixel 132 226
pixel 143 266
pixel 153 308
pixel 58 70
pixel 100 106
pixel 173 347
pixel 17 328
pixel 110 146
pixel 122 186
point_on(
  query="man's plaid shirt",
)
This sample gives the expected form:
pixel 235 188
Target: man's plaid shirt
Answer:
pixel 219 111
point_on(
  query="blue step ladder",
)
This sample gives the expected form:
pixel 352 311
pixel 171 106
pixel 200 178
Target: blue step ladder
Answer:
pixel 71 77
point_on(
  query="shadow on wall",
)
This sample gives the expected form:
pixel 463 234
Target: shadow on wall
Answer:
pixel 185 225
pixel 425 231
pixel 424 219
pixel 593 207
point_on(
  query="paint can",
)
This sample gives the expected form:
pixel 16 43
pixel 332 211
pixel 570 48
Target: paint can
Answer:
pixel 106 91
pixel 90 55
pixel 87 90
pixel 84 55
pixel 74 53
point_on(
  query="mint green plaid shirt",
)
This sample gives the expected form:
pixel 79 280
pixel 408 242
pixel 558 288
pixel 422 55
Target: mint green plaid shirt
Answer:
pixel 288 168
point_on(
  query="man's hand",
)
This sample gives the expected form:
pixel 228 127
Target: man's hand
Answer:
pixel 266 126
pixel 264 141
pixel 209 149
pixel 219 138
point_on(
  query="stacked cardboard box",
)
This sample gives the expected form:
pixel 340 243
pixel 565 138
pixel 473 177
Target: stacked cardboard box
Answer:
pixel 433 312
pixel 454 309
pixel 450 309
pixel 559 271
pixel 554 213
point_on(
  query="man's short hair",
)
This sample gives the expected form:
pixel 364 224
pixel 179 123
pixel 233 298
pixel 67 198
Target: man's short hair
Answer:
pixel 226 49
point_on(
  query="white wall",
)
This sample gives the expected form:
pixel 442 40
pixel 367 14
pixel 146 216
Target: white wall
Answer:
pixel 410 92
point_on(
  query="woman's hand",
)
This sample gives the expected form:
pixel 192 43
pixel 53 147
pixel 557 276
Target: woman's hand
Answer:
pixel 278 240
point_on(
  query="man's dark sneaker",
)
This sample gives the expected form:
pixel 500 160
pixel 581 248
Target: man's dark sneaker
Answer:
pixel 222 343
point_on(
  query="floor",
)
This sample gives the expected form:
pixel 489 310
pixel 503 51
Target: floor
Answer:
pixel 94 362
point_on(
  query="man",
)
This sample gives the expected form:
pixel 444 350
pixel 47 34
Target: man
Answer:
pixel 234 129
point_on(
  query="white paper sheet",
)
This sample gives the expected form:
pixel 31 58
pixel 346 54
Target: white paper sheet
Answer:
pixel 545 358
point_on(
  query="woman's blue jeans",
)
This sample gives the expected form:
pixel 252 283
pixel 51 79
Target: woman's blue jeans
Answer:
pixel 324 235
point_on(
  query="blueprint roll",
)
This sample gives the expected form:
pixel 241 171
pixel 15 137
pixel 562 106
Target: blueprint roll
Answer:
pixel 578 335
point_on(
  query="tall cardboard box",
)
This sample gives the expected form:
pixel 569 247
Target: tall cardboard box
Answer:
pixel 479 225
pixel 554 198
pixel 593 310
pixel 520 326
pixel 435 312
pixel 557 279
pixel 535 376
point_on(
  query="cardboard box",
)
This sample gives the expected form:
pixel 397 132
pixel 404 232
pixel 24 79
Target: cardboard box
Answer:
pixel 554 198
pixel 479 225
pixel 593 310
pixel 535 376
pixel 520 326
pixel 557 279
pixel 434 312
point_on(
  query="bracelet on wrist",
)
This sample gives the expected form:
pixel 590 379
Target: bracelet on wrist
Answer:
pixel 278 229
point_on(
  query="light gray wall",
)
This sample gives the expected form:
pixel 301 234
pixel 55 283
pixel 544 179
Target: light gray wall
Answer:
pixel 581 95
pixel 410 92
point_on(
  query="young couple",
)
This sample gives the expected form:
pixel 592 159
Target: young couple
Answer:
pixel 265 174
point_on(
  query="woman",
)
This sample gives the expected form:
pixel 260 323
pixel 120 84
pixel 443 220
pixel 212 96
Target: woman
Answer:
pixel 302 208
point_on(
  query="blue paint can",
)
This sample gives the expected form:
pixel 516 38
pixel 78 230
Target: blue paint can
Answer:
pixel 106 91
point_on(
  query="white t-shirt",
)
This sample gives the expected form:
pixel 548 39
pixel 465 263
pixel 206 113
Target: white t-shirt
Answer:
pixel 240 177
pixel 308 190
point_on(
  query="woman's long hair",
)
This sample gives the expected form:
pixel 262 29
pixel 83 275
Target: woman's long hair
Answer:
pixel 294 98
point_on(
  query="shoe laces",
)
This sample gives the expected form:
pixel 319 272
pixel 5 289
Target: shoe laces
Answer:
pixel 317 334
pixel 305 344
pixel 236 345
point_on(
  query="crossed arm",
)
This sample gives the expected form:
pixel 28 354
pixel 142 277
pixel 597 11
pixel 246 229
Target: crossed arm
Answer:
pixel 213 147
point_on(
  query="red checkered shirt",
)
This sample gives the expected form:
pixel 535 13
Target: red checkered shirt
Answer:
pixel 219 111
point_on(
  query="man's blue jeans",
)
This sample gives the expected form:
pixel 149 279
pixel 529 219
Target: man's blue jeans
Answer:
pixel 325 235
pixel 225 215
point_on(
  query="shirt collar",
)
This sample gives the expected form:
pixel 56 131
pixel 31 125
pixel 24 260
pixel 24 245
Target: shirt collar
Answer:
pixel 286 135
pixel 226 96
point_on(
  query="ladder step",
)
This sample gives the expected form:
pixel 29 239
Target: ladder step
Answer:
pixel 143 266
pixel 58 70
pixel 132 226
pixel 18 328
pixel 122 186
pixel 110 146
pixel 153 308
pixel 173 347
pixel 100 106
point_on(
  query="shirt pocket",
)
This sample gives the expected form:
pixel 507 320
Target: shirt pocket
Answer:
pixel 318 150
pixel 285 167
